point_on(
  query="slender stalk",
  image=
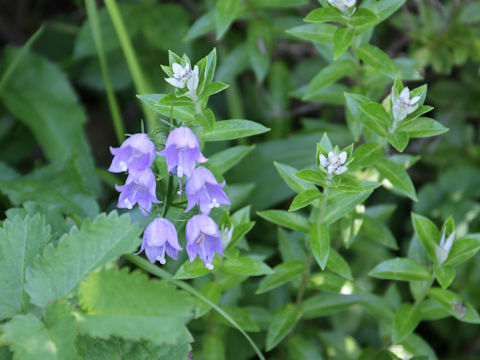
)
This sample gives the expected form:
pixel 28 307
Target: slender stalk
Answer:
pixel 17 59
pixel 112 100
pixel 155 270
pixel 141 84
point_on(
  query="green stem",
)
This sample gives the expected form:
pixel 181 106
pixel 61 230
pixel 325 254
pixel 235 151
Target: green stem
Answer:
pixel 155 270
pixel 112 100
pixel 141 83
pixel 17 59
pixel 303 283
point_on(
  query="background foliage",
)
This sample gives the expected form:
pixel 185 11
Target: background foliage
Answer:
pixel 65 290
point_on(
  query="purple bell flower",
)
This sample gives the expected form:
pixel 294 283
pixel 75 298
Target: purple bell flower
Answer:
pixel 139 188
pixel 136 154
pixel 182 152
pixel 159 237
pixel 203 239
pixel 203 189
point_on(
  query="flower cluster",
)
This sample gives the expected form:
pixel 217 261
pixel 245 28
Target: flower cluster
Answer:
pixel 182 155
pixel 402 106
pixel 184 76
pixel 342 5
pixel 334 163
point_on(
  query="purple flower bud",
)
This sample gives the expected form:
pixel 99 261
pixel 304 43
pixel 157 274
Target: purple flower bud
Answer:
pixel 203 239
pixel 203 189
pixel 136 154
pixel 139 188
pixel 182 152
pixel 159 237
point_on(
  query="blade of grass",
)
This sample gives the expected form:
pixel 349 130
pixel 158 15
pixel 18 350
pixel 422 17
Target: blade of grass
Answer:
pixel 97 39
pixel 141 84
pixel 18 58
pixel 155 270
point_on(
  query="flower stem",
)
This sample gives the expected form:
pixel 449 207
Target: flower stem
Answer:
pixel 157 271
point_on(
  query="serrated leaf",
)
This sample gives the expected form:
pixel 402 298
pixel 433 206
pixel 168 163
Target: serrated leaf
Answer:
pixel 406 319
pixel 131 306
pixel 289 175
pixel 320 243
pixel 284 218
pixel 328 75
pixel 282 323
pixel 79 252
pixel 281 274
pixel 398 177
pixel 247 266
pixel 341 41
pixel 326 304
pixel 427 233
pixel 234 129
pixel 377 59
pixel 455 305
pixel 21 240
pixel 305 198
pixel 400 269
pixel 60 323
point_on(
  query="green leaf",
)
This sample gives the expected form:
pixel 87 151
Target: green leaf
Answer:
pixel 444 275
pixel 378 232
pixel 213 88
pixel 282 323
pixel 305 198
pixel 131 306
pixel 174 100
pixel 278 3
pixel 326 304
pixel 312 176
pixel 407 318
pixel 398 177
pixel 325 15
pixel 422 127
pixel 399 140
pixel 329 282
pixel 29 338
pixel 39 94
pixel 289 175
pixel 299 348
pixel 377 118
pixel 377 59
pixel 60 323
pixel 319 33
pixel 455 305
pixel 366 155
pixel 239 231
pixel 206 118
pixel 341 41
pixel 338 208
pixel 203 25
pixel 337 264
pixel 61 268
pixel 191 270
pixel 241 316
pixel 182 113
pixel 463 249
pixel 328 75
pixel 320 243
pixel 282 274
pixel 226 159
pixel 21 240
pixel 284 218
pixel 259 39
pixel 427 233
pixel 246 266
pixel 234 129
pixel 212 291
pixel 400 269
pixel 363 16
pixel 225 14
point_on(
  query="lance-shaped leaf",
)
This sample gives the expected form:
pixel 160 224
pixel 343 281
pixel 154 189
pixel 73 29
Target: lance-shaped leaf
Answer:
pixel 377 118
pixel 405 321
pixel 400 269
pixel 282 274
pixel 362 17
pixel 131 306
pixel 225 14
pixel 320 243
pixel 423 127
pixel 289 175
pixel 427 233
pixel 305 198
pixel 455 305
pixel 282 323
pixel 328 75
pixel 245 265
pixel 61 268
pixel 444 275
pixel 377 59
pixel 284 218
pixel 234 129
pixel 398 177
pixel 341 41
pixel 463 249
pixel 321 33
pixel 326 304
pixel 226 159
pixel 20 241
pixel 325 15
